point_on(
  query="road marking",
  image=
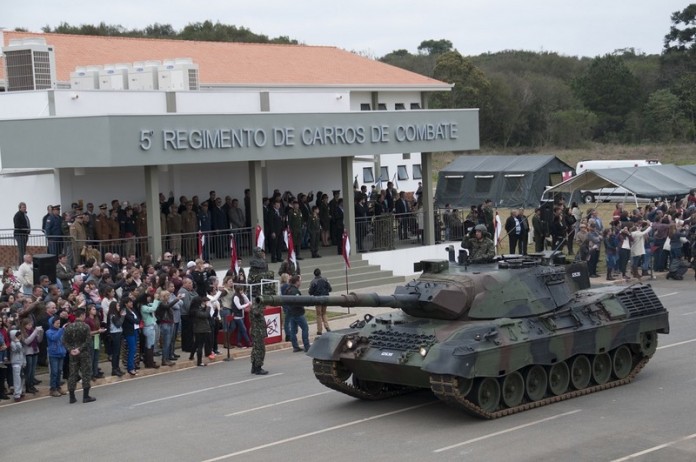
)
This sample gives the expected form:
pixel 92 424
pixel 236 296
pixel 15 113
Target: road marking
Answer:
pixel 686 314
pixel 318 432
pixel 502 432
pixel 654 448
pixel 278 403
pixel 669 294
pixel 676 344
pixel 205 389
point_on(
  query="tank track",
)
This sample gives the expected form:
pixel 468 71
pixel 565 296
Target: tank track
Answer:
pixel 445 388
pixel 329 375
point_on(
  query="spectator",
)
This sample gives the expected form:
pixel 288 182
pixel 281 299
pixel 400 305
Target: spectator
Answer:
pixel 22 228
pixel 320 287
pixel 296 313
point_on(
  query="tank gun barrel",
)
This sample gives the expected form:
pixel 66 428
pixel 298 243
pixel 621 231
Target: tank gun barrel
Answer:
pixel 345 300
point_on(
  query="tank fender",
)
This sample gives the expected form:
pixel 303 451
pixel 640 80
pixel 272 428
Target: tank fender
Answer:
pixel 328 347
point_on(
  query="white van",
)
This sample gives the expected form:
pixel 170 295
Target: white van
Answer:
pixel 616 193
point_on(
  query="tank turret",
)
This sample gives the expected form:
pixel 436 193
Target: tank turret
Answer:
pixel 491 339
pixel 521 287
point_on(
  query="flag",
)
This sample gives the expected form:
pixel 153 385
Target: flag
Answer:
pixel 396 183
pixel 201 244
pixel 260 238
pixel 346 248
pixel 498 227
pixel 234 259
pixel 287 236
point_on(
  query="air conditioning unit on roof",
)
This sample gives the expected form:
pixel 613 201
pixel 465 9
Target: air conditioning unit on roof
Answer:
pixel 143 75
pixel 30 64
pixel 114 77
pixel 85 78
pixel 178 74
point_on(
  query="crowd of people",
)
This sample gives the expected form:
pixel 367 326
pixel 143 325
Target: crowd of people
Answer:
pixel 659 237
pixel 120 309
pixel 314 221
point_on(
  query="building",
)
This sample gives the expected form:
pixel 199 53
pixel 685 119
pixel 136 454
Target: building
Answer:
pixel 128 118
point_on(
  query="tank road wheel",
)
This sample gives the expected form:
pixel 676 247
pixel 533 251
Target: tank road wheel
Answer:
pixel 648 343
pixel 536 382
pixel 580 372
pixel 622 361
pixel 487 394
pixel 463 385
pixel 601 368
pixel 368 386
pixel 513 389
pixel 559 377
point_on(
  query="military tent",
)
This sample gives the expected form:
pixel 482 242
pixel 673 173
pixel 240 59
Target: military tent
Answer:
pixel 650 181
pixel 509 180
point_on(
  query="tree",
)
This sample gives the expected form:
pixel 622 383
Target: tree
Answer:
pixel 682 34
pixel 435 47
pixel 470 84
pixel 608 88
pixel 662 118
pixel 571 128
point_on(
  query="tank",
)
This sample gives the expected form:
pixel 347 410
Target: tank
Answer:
pixel 492 339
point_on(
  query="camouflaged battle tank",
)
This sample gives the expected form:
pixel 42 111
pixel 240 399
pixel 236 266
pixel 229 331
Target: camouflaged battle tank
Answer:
pixel 491 339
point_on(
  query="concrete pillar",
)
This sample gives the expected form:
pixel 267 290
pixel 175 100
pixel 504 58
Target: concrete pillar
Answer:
pixel 428 212
pixel 348 202
pixel 154 225
pixel 256 190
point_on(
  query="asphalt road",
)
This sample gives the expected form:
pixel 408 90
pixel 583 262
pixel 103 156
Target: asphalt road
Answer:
pixel 221 412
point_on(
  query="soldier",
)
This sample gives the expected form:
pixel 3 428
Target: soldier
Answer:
pixel 258 270
pixel 295 225
pixel 78 234
pixel 480 246
pixel 78 341
pixel 174 227
pixel 540 230
pixel 314 229
pixel 114 228
pixel 101 227
pixel 189 226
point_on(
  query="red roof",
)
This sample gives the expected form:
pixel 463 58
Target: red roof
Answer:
pixel 230 63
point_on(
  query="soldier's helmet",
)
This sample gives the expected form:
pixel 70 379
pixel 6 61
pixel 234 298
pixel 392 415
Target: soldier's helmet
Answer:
pixel 481 228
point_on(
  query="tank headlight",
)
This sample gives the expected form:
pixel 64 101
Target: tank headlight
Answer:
pixel 423 351
pixel 350 344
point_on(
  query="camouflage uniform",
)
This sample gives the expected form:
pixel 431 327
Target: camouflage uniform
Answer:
pixel 77 335
pixel 480 250
pixel 258 270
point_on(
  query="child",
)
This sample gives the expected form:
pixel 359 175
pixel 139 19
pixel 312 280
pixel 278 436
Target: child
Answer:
pixel 18 362
pixel 56 355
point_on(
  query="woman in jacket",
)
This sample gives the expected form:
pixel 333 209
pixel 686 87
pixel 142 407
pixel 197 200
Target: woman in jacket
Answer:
pixel 31 337
pixel 200 312
pixel 56 355
pixel 114 319
pixel 130 327
pixel 241 305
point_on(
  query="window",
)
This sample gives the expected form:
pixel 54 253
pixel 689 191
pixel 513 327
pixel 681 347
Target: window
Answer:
pixel 368 177
pixel 402 173
pixel 381 107
pixel 513 183
pixel 483 183
pixel 415 106
pixel 384 174
pixel 365 107
pixel 399 106
pixel 453 184
pixel 417 175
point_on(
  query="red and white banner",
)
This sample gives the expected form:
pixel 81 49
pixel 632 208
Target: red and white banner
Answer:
pixel 287 236
pixel 201 244
pixel 260 238
pixel 567 175
pixel 345 245
pixel 234 258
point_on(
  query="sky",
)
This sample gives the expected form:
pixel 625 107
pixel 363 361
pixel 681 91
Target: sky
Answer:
pixel 376 27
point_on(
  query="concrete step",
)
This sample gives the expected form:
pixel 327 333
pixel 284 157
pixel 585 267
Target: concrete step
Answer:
pixel 340 288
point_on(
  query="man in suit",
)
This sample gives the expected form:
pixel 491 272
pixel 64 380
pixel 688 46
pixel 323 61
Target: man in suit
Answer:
pixel 401 209
pixel 276 235
pixel 21 231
